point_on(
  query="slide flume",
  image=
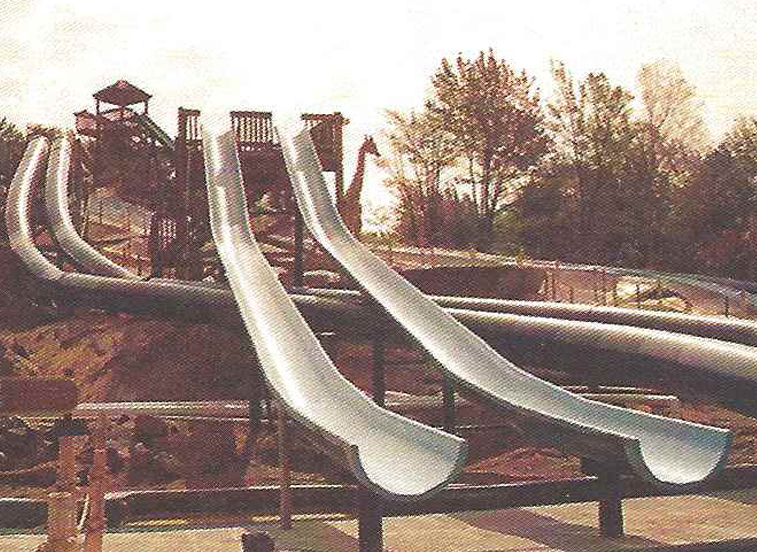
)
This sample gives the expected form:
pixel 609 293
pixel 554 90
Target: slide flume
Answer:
pixel 662 451
pixel 59 219
pixel 365 455
pixel 88 258
pixel 725 371
pixel 391 455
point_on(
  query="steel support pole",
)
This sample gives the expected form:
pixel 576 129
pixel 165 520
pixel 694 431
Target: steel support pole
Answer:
pixel 611 505
pixel 448 401
pixel 285 475
pixel 370 521
pixel 379 373
pixel 370 511
pixel 299 252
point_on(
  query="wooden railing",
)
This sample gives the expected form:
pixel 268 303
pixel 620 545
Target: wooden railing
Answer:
pixel 253 129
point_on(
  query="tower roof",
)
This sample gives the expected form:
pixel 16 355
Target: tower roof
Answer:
pixel 121 93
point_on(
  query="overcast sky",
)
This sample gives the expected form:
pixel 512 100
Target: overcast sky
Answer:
pixel 356 57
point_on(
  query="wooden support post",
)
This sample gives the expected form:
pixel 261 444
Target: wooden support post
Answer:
pixel 615 293
pixel 370 521
pixel 727 305
pixel 66 476
pixel 379 374
pixel 638 296
pixel 610 511
pixel 448 401
pixel 285 474
pixel 254 414
pixel 93 540
pixel 61 522
pixel 339 121
pixel 299 265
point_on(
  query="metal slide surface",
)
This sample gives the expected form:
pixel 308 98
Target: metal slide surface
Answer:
pixel 389 454
pixel 59 218
pixel 660 450
pixel 358 432
pixel 88 258
pixel 727 372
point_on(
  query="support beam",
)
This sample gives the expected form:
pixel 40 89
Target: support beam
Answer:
pixel 379 374
pixel 611 507
pixel 610 497
pixel 370 522
pixel 285 475
pixel 448 401
pixel 95 529
pixel 299 250
pixel 370 511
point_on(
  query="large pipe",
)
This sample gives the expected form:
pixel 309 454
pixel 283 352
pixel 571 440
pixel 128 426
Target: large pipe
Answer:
pixel 716 369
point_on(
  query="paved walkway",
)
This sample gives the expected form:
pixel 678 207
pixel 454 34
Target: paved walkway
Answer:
pixel 651 524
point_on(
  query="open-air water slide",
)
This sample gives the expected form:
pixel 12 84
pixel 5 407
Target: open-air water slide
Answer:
pixel 661 450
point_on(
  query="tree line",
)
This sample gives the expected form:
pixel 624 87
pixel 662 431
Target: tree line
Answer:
pixel 592 174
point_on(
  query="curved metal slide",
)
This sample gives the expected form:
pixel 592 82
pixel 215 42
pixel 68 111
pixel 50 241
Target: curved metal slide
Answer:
pixel 367 439
pixel 725 371
pixel 663 451
pixel 372 441
pixel 59 219
pixel 88 258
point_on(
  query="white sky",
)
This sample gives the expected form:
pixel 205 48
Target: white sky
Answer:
pixel 356 57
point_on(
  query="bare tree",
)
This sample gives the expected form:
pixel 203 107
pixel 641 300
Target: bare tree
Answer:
pixel 422 153
pixel 673 115
pixel 494 114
